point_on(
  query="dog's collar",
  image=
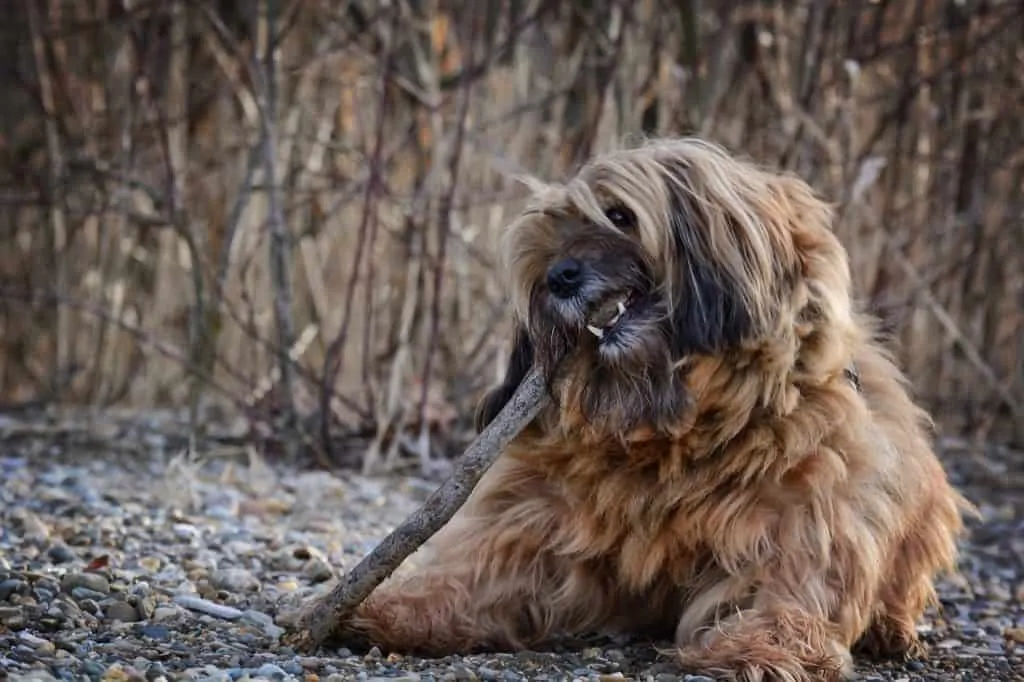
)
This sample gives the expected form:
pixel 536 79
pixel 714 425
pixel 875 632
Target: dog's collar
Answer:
pixel 853 376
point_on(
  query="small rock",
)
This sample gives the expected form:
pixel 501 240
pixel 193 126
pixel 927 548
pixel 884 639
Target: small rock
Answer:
pixel 464 674
pixel 157 632
pixel 116 673
pixel 208 607
pixel 264 622
pixel 38 643
pixel 90 606
pixel 236 580
pixel 146 606
pixel 155 672
pixel 33 528
pixel 93 669
pixel 11 586
pixel 12 616
pixel 162 613
pixel 35 675
pixel 83 593
pixel 186 531
pixel 122 611
pixel 90 581
pixel 317 570
pixel 270 671
pixel 1015 635
pixel 60 553
pixel 698 678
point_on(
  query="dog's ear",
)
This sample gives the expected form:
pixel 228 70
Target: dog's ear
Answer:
pixel 519 364
pixel 710 313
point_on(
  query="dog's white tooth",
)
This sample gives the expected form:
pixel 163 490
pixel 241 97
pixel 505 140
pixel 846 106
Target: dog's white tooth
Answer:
pixel 596 331
pixel 622 307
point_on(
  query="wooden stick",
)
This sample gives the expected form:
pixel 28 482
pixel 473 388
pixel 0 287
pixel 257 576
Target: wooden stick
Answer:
pixel 325 616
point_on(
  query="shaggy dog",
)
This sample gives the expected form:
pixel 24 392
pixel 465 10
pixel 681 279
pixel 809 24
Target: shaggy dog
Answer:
pixel 731 458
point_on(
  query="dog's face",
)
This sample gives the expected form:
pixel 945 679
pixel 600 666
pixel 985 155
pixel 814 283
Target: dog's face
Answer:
pixel 648 259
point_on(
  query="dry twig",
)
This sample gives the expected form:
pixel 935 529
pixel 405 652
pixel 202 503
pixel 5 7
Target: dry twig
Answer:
pixel 279 251
pixel 326 616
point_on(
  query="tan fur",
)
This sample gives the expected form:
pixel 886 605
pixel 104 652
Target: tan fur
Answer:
pixel 783 516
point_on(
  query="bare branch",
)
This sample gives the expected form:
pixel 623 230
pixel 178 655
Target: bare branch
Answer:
pixel 280 251
pixel 58 221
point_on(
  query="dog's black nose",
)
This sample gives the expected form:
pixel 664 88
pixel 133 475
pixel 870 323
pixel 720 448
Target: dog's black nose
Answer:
pixel 565 277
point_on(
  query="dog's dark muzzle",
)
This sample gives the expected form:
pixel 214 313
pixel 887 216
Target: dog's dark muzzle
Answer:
pixel 565 278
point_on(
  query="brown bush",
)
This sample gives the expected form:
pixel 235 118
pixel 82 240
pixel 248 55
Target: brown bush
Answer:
pixel 295 204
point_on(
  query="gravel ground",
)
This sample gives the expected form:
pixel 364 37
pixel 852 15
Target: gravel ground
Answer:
pixel 120 560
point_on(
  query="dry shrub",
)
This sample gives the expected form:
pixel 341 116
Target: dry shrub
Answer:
pixel 284 207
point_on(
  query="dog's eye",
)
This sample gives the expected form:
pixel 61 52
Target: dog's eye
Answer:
pixel 621 217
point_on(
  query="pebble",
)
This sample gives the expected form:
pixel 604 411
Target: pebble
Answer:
pixel 82 593
pixel 271 671
pixel 122 611
pixel 208 607
pixel 11 586
pixel 90 581
pixel 35 642
pixel 317 570
pixel 166 612
pixel 464 674
pixel 263 621
pixel 186 531
pixel 234 580
pixel 61 554
pixel 12 616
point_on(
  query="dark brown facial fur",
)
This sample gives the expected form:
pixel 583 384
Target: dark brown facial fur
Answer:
pixel 597 316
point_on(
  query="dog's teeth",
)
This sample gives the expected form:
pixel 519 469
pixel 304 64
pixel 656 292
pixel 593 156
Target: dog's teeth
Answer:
pixel 596 331
pixel 622 307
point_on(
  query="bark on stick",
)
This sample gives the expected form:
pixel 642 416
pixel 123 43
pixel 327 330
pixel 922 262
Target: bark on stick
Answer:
pixel 326 615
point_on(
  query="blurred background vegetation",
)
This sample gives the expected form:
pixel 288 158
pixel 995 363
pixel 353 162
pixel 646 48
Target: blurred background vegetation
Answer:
pixel 285 213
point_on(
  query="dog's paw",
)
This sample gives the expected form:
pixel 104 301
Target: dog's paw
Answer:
pixel 733 660
pixel 768 672
pixel 891 639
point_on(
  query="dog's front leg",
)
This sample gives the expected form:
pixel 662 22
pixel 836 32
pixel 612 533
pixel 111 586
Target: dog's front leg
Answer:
pixel 783 644
pixel 490 580
pixel 787 617
pixel 492 595
pixel 440 609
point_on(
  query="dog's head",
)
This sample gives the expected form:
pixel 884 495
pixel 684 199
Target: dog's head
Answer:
pixel 654 258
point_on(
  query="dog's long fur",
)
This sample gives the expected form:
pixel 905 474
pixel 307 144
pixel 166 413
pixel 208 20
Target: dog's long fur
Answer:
pixel 738 466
